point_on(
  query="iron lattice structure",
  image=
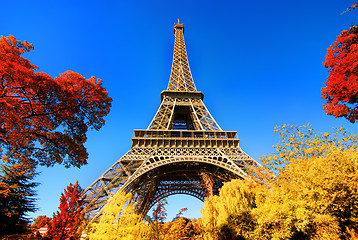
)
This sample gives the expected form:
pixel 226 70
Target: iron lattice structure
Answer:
pixel 183 150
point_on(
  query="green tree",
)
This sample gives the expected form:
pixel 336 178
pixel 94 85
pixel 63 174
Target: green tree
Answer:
pixel 16 195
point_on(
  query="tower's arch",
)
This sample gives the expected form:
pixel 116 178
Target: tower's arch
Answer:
pixel 197 176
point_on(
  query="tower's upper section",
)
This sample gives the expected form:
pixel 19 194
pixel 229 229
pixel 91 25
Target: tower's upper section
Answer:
pixel 180 77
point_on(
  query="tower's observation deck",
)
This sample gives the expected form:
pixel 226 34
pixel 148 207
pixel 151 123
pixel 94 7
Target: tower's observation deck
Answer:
pixel 172 138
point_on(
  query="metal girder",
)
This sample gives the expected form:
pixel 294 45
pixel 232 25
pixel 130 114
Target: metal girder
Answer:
pixel 197 111
pixel 183 150
pixel 140 162
pixel 180 77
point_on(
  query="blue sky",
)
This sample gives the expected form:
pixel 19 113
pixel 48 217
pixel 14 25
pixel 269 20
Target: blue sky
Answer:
pixel 259 64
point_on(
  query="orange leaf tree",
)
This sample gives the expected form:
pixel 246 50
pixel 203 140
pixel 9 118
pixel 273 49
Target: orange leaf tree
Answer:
pixel 43 118
pixel 40 222
pixel 341 90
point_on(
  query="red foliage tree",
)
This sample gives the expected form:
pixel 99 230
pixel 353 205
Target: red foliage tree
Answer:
pixel 43 118
pixel 351 8
pixel 159 212
pixel 179 214
pixel 341 89
pixel 65 222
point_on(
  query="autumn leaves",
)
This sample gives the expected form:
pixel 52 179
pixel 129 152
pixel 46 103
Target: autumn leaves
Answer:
pixel 42 118
pixel 341 90
pixel 308 190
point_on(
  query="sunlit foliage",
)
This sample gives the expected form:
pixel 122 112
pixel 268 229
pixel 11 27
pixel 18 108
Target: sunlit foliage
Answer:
pixel 312 192
pixel 229 216
pixel 181 228
pixel 341 90
pixel 298 143
pixel 66 221
pixel 42 118
pixel 118 220
pixel 315 193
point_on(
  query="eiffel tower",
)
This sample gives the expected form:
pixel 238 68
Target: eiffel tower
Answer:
pixel 183 150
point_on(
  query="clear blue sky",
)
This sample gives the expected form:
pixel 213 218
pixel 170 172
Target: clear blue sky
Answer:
pixel 259 64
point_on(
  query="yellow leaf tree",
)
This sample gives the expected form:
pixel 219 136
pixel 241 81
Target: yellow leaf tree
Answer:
pixel 118 220
pixel 229 216
pixel 182 228
pixel 315 193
